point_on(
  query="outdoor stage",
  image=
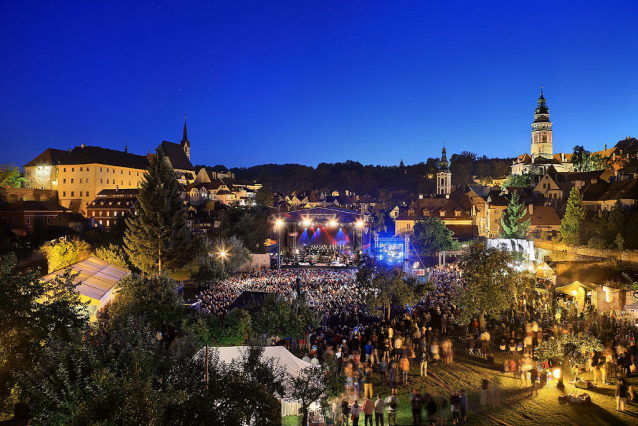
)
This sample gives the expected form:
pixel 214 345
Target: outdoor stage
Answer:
pixel 320 237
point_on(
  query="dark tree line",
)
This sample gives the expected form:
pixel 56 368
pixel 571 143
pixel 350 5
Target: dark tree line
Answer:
pixel 369 179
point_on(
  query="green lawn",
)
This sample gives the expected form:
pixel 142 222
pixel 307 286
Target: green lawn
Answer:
pixel 516 408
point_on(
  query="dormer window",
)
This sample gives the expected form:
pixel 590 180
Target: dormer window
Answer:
pixel 411 212
pixel 442 213
pixel 457 213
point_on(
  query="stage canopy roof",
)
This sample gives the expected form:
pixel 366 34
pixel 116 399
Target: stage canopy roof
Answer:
pixel 320 215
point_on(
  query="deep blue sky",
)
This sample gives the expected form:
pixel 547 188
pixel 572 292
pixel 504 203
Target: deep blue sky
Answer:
pixel 315 81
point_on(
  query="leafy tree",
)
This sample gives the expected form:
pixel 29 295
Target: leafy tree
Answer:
pixel 233 329
pixel 584 161
pixel 11 176
pixel 379 225
pixel 431 236
pixel 157 237
pixel 249 224
pixel 264 197
pixel 491 283
pixel 279 318
pixel 572 223
pixel 574 348
pixel 61 254
pixel 512 224
pixel 620 242
pixel 210 205
pixel 32 312
pixel 518 181
pixel 113 254
pixel 617 218
pixel 153 299
pixel 314 383
pixel 389 286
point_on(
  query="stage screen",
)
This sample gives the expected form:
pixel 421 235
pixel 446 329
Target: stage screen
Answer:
pixel 390 252
pixel 317 236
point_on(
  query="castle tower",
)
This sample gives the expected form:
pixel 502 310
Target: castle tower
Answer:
pixel 444 177
pixel 186 145
pixel 542 131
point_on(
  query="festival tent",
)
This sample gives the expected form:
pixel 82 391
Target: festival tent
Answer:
pixel 95 279
pixel 281 355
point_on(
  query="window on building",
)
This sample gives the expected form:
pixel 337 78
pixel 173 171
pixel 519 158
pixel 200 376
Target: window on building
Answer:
pixel 63 180
pixel 129 183
pixel 100 221
pixel 48 219
pixel 122 182
pixel 71 180
pixel 64 193
pixel 15 220
pixel 93 213
pixel 129 173
pixel 101 180
pixel 81 180
pixel 65 170
pixel 87 180
pixel 87 169
pixel 80 168
pixel 72 169
pixel 108 213
pixel 72 194
pixel 87 193
pixel 407 226
pixel 121 172
pixel 28 220
pixel 100 168
pixel 138 173
pixel 107 181
pixel 115 213
pixel 80 193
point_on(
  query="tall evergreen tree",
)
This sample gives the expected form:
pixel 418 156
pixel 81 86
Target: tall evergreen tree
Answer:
pixel 512 224
pixel 572 223
pixel 157 237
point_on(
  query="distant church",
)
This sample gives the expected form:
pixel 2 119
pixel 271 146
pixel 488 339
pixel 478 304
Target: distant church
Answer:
pixel 542 156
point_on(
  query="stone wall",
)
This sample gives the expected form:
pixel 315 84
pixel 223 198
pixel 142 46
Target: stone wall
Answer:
pixel 559 248
pixel 11 195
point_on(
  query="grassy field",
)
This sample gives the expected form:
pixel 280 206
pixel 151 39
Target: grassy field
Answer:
pixel 517 408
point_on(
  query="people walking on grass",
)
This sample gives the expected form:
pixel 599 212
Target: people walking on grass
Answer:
pixel 379 406
pixel 345 412
pixel 393 377
pixel 534 378
pixel 416 403
pixel 392 404
pixel 455 406
pixel 432 410
pixel 404 365
pixel 368 411
pixel 367 387
pixel 424 365
pixel 621 395
pixel 356 412
pixel 463 406
pixel 383 370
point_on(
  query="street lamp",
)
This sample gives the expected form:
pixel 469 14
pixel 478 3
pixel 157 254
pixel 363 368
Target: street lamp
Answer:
pixel 279 225
pixel 222 254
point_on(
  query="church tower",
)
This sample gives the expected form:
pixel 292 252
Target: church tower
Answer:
pixel 542 131
pixel 444 177
pixel 186 145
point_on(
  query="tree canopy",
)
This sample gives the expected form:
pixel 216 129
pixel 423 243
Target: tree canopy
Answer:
pixel 157 237
pixel 11 176
pixel 572 223
pixel 512 224
pixel 431 236
pixel 61 254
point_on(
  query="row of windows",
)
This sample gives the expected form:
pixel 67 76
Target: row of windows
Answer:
pixel 27 219
pixel 107 170
pixel 107 213
pixel 81 180
pixel 73 194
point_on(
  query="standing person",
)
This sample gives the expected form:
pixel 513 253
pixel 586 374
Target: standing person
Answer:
pixel 424 364
pixel 404 365
pixel 383 370
pixel 392 402
pixel 379 406
pixel 416 402
pixel 621 395
pixel 432 409
pixel 356 412
pixel 533 373
pixel 367 387
pixel 345 411
pixel 463 406
pixel 368 409
pixel 455 405
pixel 393 379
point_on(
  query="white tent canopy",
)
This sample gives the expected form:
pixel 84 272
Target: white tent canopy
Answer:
pixel 281 355
pixel 95 278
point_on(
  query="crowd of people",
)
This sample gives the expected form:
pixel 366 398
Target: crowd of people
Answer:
pixel 370 350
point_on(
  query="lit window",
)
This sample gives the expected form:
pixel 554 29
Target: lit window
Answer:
pixel 108 223
pixel 100 221
pixel 108 213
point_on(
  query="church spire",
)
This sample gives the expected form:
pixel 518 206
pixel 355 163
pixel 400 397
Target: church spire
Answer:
pixel 186 145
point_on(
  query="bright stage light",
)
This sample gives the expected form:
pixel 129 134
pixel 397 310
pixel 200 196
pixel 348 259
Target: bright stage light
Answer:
pixel 333 223
pixel 556 373
pixel 279 223
pixel 359 224
pixel 574 292
pixel 306 223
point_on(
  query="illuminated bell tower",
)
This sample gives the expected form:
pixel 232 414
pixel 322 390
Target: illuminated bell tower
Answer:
pixel 185 143
pixel 443 177
pixel 542 131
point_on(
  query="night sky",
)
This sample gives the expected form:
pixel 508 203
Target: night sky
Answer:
pixel 315 81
